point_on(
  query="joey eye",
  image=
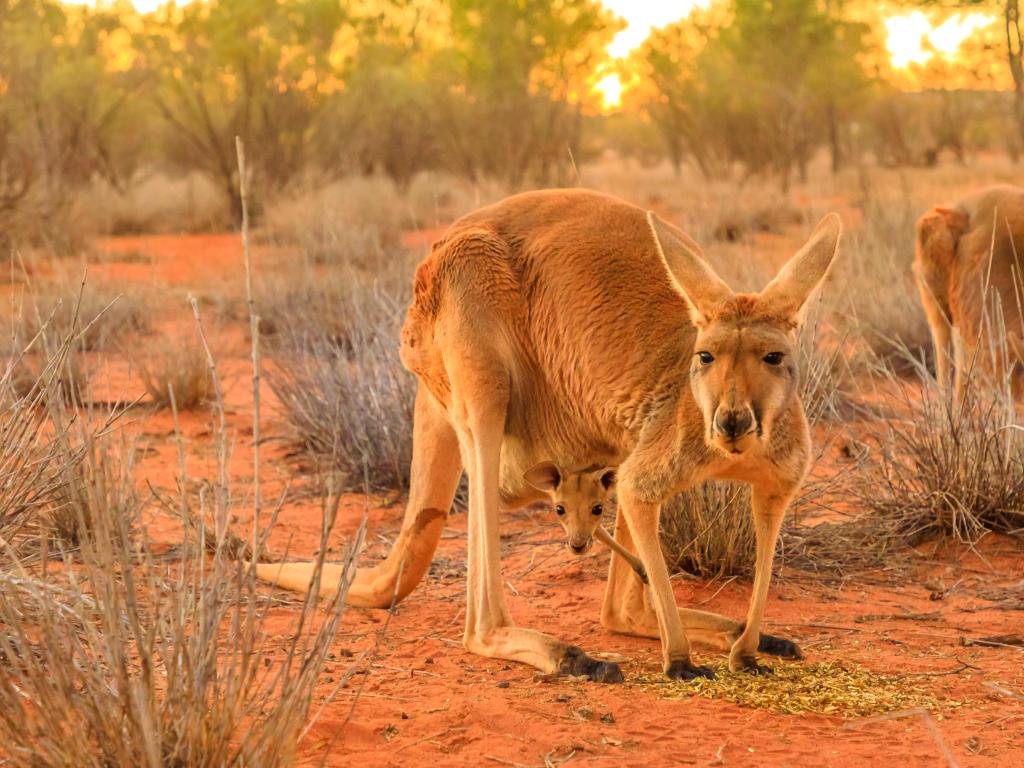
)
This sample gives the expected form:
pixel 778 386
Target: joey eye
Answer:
pixel 773 358
pixel 706 358
pixel 560 510
pixel 596 510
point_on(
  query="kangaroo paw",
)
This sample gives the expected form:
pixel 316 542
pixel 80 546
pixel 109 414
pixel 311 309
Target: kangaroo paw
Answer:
pixel 777 646
pixel 576 663
pixel 687 670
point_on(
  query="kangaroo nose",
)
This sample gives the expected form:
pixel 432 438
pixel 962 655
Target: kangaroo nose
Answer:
pixel 579 547
pixel 734 423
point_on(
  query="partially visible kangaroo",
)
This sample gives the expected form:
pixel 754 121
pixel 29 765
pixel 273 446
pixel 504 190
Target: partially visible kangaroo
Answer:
pixel 568 324
pixel 579 499
pixel 962 251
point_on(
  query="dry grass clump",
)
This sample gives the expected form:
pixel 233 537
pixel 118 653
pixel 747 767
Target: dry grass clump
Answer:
pixel 349 400
pixel 949 468
pixel 96 316
pixel 123 658
pixel 154 202
pixel 34 461
pixel 96 480
pixel 828 688
pixel 356 221
pixel 936 468
pixel 708 531
pixel 179 365
pixel 139 663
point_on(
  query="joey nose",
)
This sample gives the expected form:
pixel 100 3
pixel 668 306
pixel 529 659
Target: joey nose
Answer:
pixel 579 546
pixel 733 422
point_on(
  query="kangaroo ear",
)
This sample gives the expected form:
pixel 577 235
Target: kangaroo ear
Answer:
pixel 956 220
pixel 607 478
pixel 545 476
pixel 787 294
pixel 937 233
pixel 703 289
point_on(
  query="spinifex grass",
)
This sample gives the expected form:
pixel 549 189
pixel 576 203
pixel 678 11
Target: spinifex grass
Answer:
pixel 827 688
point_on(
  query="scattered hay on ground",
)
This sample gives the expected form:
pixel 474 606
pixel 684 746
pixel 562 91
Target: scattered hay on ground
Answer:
pixel 827 688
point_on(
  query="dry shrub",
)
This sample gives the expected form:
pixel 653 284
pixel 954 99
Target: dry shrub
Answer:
pixel 154 202
pixel 34 461
pixel 936 469
pixel 179 365
pixel 96 480
pixel 343 388
pixel 708 531
pixel 356 221
pixel 949 468
pixel 123 658
pixel 138 663
pixel 738 222
pixel 96 316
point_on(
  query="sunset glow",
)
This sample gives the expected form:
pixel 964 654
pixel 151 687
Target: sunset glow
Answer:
pixel 911 38
pixel 641 16
pixel 610 88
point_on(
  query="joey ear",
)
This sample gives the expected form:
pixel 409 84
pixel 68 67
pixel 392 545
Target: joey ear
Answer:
pixel 788 292
pixel 607 478
pixel 703 289
pixel 545 476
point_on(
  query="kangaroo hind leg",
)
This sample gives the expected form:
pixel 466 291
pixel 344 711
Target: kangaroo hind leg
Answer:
pixel 436 468
pixel 480 395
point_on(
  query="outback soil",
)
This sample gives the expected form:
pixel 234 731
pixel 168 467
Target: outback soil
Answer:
pixel 415 697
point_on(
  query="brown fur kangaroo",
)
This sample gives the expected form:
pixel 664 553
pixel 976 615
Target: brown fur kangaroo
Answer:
pixel 571 325
pixel 962 251
pixel 579 499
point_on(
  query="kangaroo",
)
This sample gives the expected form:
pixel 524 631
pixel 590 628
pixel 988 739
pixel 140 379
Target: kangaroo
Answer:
pixel 962 251
pixel 579 499
pixel 573 325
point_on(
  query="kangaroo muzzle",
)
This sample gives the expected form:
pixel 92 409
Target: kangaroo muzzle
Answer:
pixel 734 423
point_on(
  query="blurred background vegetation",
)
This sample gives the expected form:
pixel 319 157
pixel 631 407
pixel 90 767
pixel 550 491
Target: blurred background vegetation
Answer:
pixel 99 101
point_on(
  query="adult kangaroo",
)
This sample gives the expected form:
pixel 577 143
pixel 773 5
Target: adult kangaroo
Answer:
pixel 968 260
pixel 572 326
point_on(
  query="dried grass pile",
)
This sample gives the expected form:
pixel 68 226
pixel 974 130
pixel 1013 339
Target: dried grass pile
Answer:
pixel 828 688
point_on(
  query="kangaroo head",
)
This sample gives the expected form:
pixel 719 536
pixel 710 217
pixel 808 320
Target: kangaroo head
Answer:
pixel 579 499
pixel 744 368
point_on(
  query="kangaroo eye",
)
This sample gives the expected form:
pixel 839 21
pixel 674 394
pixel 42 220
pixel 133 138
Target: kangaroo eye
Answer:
pixel 773 358
pixel 706 358
pixel 597 510
pixel 559 510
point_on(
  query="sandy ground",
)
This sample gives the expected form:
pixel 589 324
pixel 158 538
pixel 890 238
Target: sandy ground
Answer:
pixel 419 699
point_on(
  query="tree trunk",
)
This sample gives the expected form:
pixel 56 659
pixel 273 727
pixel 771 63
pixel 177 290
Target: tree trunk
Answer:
pixel 833 138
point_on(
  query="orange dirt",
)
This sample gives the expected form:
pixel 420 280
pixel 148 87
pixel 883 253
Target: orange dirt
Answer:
pixel 425 701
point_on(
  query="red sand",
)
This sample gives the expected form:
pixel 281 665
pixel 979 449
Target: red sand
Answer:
pixel 426 701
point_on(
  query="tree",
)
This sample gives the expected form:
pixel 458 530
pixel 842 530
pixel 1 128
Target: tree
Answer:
pixel 259 69
pixel 511 84
pixel 65 108
pixel 765 87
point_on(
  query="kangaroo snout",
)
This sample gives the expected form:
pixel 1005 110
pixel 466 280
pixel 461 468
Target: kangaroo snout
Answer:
pixel 579 545
pixel 734 423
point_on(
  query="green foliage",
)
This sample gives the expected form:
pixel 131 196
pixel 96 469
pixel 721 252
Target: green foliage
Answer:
pixel 258 69
pixel 764 87
pixel 65 111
